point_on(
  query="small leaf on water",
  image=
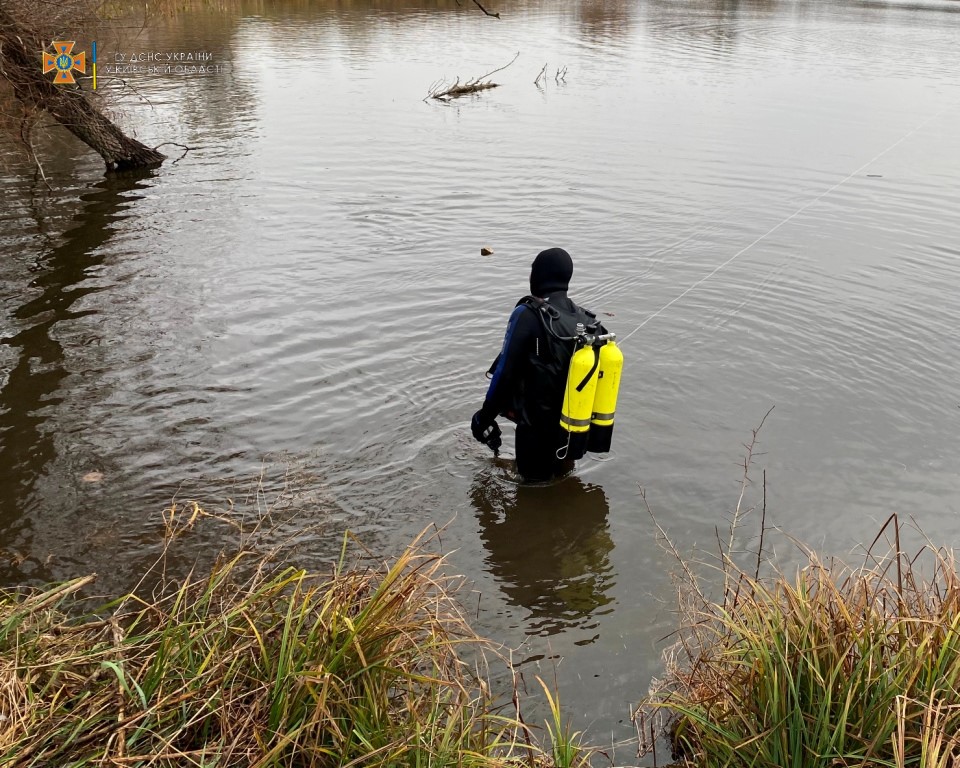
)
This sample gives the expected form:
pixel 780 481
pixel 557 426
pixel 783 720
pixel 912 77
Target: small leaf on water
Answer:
pixel 92 477
pixel 486 252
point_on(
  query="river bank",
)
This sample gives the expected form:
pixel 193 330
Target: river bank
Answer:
pixel 263 664
pixel 769 188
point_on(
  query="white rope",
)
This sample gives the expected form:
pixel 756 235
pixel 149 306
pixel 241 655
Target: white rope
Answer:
pixel 773 229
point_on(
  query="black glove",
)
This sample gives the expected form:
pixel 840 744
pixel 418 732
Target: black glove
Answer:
pixel 486 432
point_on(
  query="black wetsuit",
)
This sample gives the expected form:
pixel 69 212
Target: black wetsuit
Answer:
pixel 514 394
pixel 528 380
pixel 529 376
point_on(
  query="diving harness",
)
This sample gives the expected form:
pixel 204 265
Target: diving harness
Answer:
pixel 590 394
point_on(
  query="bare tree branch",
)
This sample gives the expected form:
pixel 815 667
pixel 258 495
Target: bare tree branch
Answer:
pixel 184 147
pixel 500 69
pixel 440 92
pixel 477 3
pixel 543 74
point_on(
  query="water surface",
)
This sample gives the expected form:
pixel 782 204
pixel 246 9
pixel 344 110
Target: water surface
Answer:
pixel 761 195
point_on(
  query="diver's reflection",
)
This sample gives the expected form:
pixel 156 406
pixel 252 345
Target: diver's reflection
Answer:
pixel 549 547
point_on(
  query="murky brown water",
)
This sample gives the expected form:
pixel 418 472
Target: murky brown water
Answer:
pixel 302 297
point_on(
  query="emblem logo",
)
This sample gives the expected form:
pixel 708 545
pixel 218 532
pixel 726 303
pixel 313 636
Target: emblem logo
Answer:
pixel 64 62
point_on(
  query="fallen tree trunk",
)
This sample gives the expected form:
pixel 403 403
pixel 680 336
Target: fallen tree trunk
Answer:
pixel 20 57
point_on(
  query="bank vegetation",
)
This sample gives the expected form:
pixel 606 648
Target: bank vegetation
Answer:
pixel 833 665
pixel 255 663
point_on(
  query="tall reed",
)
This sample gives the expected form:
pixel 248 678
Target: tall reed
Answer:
pixel 835 666
pixel 256 666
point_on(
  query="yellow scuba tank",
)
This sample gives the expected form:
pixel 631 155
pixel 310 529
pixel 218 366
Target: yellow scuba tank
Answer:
pixel 605 401
pixel 578 397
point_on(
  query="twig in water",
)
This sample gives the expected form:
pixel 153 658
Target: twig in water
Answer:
pixel 43 176
pixel 125 85
pixel 184 147
pixel 639 722
pixel 442 93
pixel 26 136
pixel 500 69
pixel 653 741
pixel 739 512
pixel 542 74
pixel 692 581
pixel 516 707
pixel 763 525
pixel 477 3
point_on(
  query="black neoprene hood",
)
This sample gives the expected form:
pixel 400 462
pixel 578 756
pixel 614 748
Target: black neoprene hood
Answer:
pixel 551 271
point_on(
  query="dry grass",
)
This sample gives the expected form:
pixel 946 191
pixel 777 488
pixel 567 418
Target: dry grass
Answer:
pixel 260 665
pixel 834 666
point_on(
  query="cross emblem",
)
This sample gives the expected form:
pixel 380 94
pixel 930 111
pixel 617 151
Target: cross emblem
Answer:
pixel 63 61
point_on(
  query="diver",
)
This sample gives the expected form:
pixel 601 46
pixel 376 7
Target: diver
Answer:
pixel 528 378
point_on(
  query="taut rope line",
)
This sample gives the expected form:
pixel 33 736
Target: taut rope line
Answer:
pixel 789 218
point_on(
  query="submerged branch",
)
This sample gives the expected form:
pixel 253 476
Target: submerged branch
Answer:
pixel 542 74
pixel 184 147
pixel 442 92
